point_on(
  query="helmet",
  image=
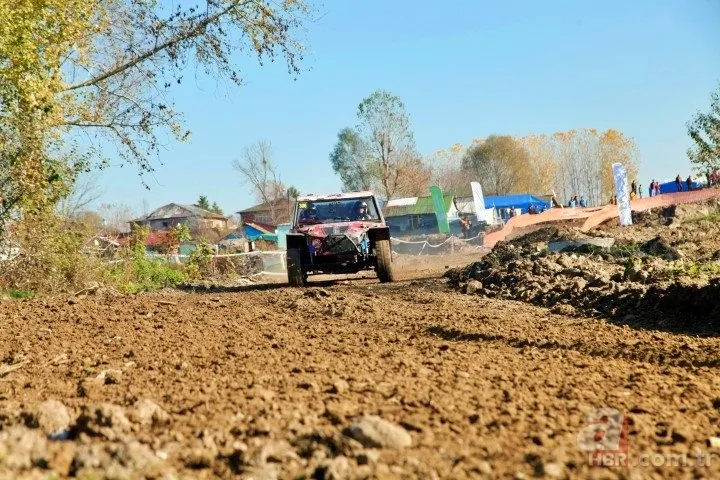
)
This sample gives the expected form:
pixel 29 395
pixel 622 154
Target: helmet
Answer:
pixel 360 204
pixel 311 210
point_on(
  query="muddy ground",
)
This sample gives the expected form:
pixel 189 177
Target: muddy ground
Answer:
pixel 345 379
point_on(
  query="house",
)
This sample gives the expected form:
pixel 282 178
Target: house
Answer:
pixel 416 215
pixel 173 214
pixel 267 213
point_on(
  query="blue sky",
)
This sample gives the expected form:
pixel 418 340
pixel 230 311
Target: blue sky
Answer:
pixel 465 69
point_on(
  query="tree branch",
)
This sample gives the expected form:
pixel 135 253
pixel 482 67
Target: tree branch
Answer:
pixel 153 51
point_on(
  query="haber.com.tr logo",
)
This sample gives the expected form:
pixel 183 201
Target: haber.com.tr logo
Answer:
pixel 605 437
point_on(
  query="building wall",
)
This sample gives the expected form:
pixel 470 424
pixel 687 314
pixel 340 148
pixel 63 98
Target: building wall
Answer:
pixel 215 223
pixel 425 224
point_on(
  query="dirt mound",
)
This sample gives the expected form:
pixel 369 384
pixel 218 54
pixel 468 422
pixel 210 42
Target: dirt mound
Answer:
pixel 659 247
pixel 638 283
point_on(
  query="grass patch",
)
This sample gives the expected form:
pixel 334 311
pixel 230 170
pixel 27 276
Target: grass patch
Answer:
pixel 696 269
pixel 20 294
pixel 713 217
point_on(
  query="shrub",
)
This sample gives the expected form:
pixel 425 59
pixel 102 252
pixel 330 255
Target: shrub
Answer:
pixel 51 258
pixel 135 272
pixel 200 263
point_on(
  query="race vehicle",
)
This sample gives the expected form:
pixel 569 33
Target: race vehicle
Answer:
pixel 338 234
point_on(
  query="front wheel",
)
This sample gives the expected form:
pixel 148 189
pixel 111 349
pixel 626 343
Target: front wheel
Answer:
pixel 384 261
pixel 296 275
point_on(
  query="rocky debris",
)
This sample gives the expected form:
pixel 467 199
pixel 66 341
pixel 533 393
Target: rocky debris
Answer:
pixel 374 432
pixel 105 420
pixel 339 387
pixel 147 412
pixel 51 417
pixel 22 448
pixel 117 460
pixel 110 376
pixel 337 468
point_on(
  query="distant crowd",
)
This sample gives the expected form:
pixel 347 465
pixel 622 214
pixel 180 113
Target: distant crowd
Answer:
pixel 681 185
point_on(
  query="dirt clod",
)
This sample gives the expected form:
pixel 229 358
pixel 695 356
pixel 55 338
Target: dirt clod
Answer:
pixel 374 432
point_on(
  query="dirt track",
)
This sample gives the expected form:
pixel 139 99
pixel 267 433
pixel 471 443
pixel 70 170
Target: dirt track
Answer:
pixel 262 384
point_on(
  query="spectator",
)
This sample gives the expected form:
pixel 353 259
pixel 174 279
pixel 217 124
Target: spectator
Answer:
pixel 657 188
pixel 640 190
pixel 464 226
pixel 651 189
pixel 689 182
pixel 583 203
pixel 678 183
pixel 633 187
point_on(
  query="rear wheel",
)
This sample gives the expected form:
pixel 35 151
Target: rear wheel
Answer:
pixel 384 261
pixel 296 275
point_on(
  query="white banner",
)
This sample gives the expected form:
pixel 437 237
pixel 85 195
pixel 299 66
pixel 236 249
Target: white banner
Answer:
pixel 479 201
pixel 623 196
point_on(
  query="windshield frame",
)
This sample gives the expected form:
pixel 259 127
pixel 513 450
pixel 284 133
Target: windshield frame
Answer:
pixel 345 203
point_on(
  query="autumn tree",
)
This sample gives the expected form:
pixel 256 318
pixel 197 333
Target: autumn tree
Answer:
pixel 414 178
pixel 704 130
pixel 104 70
pixel 579 162
pixel 257 169
pixel 574 162
pixel 501 164
pixel 616 147
pixel 379 153
pixel 543 162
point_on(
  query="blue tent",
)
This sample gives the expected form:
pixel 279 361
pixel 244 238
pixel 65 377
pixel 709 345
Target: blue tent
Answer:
pixel 520 200
pixel 670 187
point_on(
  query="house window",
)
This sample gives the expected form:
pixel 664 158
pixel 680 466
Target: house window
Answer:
pixel 415 222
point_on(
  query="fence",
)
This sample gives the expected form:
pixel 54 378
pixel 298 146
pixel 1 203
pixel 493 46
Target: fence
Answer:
pixel 274 262
pixel 450 245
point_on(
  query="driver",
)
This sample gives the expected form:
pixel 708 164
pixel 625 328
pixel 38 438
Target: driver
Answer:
pixel 309 214
pixel 360 212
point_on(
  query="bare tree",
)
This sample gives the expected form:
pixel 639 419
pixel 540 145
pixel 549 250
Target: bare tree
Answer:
pixel 116 217
pixel 447 170
pixel 85 191
pixel 258 170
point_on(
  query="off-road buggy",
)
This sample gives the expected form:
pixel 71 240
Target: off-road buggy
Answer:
pixel 338 234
